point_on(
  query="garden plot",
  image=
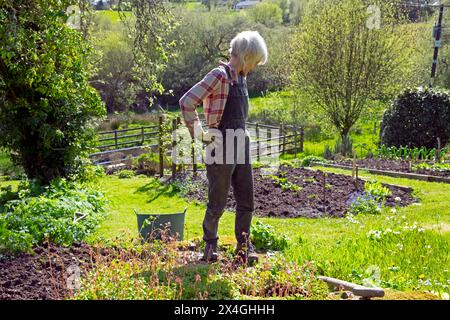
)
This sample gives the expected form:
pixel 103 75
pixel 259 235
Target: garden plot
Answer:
pixel 289 192
pixel 438 169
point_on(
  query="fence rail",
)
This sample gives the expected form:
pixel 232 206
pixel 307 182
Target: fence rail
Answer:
pixel 287 139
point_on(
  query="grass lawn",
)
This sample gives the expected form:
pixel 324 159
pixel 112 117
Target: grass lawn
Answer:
pixel 148 195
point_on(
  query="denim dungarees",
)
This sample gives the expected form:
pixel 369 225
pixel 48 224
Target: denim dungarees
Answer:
pixel 240 176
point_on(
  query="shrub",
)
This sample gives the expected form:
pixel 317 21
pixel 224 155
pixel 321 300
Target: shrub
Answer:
pixel 48 109
pixel 264 237
pixel 306 161
pixel 125 174
pixel 62 212
pixel 417 118
pixel 344 146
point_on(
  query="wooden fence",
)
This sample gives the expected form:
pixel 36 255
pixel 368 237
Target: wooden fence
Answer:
pixel 130 142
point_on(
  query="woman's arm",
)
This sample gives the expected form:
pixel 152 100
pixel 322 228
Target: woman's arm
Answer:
pixel 195 96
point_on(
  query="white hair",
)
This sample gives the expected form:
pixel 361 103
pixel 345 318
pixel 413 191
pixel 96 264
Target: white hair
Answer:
pixel 249 47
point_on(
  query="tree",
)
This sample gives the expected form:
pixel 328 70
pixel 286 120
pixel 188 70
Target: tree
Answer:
pixel 47 108
pixel 148 27
pixel 269 14
pixel 346 53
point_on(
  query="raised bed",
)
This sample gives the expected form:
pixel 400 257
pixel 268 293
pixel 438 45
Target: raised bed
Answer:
pixel 430 177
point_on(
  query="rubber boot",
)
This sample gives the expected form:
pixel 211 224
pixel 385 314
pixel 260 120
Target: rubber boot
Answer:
pixel 210 253
pixel 246 255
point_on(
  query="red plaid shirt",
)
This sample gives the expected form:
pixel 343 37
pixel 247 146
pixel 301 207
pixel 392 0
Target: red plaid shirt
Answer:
pixel 212 92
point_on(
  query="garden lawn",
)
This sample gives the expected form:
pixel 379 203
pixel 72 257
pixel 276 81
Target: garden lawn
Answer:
pixel 147 195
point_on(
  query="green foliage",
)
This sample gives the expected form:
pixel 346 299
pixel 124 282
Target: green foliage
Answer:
pixel 370 201
pixel 417 118
pixel 62 212
pixel 149 28
pixel 406 153
pixel 204 38
pixel 266 13
pixel 344 146
pixel 377 190
pixel 47 107
pixel 264 237
pixel 334 53
pixel 89 173
pixel 306 161
pixel 284 184
pixel 364 204
pixel 439 167
pixel 125 174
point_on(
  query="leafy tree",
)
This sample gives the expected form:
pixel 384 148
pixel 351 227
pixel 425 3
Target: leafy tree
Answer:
pixel 47 107
pixel 267 13
pixel 342 56
pixel 148 27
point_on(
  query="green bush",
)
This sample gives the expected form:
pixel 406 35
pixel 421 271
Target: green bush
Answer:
pixel 416 119
pixel 264 237
pixel 48 109
pixel 306 161
pixel 125 174
pixel 62 212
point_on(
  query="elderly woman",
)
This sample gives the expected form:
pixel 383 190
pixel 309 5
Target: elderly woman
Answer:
pixel 223 93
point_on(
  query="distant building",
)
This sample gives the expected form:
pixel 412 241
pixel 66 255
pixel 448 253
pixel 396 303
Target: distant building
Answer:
pixel 246 4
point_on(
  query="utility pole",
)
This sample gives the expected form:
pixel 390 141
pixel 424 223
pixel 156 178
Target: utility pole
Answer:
pixel 437 44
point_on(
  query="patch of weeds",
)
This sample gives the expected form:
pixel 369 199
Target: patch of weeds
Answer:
pixel 284 184
pixel 264 237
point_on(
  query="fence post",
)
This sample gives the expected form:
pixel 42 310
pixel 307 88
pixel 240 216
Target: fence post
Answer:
pixel 257 143
pixel 174 143
pixel 301 140
pixel 284 138
pixel 180 166
pixel 194 160
pixel 142 136
pixel 160 146
pixel 269 142
pixel 295 142
pixel 115 139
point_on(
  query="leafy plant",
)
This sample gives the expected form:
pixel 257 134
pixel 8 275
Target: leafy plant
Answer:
pixel 441 167
pixel 125 174
pixel 377 190
pixel 285 184
pixel 306 161
pixel 62 212
pixel 264 237
pixel 363 204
